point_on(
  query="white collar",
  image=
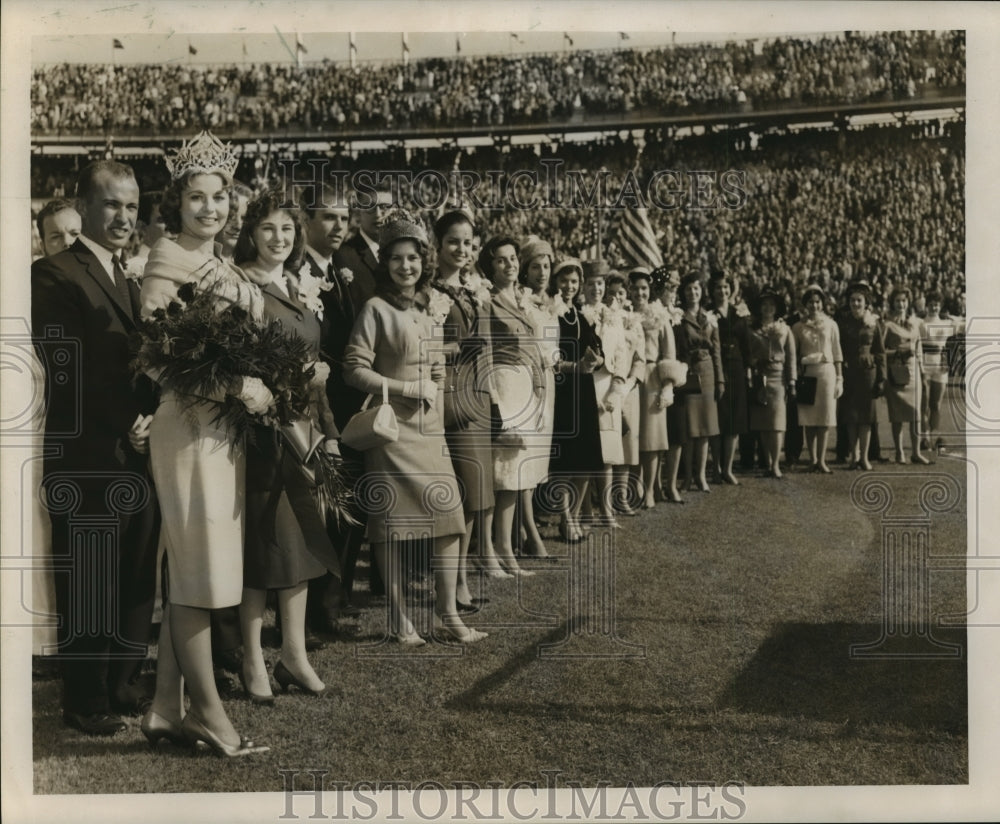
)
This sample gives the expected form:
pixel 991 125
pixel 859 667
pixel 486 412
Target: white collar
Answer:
pixel 105 256
pixel 322 262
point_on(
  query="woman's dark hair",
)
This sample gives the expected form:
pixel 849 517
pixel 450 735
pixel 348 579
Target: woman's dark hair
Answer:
pixel 775 297
pixel 170 206
pixel 490 248
pixel 449 219
pixel 552 287
pixel 717 279
pixel 897 292
pixel 384 284
pixel 933 297
pixel 686 281
pixel 614 280
pixel 259 207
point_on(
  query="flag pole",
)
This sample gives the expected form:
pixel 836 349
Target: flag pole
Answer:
pixel 600 214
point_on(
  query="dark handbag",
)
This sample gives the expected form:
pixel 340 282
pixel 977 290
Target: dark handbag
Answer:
pixel 899 374
pixel 805 389
pixel 691 386
pixel 758 389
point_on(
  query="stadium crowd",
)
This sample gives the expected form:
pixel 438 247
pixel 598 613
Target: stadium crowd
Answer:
pixel 494 90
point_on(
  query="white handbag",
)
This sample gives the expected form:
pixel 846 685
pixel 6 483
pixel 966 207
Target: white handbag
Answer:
pixel 372 427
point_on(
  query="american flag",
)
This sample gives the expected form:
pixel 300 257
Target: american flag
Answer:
pixel 637 239
pixel 589 246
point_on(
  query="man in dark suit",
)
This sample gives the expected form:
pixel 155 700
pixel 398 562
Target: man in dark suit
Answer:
pixel 359 253
pixel 105 521
pixel 351 281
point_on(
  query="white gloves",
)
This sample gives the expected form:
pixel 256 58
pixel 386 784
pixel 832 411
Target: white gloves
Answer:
pixel 322 373
pixel 257 397
pixel 138 435
pixel 424 389
pixel 666 397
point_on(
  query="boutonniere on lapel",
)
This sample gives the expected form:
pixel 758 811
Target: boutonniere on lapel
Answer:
pixel 134 268
pixel 309 287
pixel 346 275
pixel 742 310
pixel 708 319
pixel 477 288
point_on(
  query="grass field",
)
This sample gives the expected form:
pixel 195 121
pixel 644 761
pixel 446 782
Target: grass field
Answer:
pixel 727 659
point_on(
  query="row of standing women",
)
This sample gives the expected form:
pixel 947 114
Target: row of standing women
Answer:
pixel 543 385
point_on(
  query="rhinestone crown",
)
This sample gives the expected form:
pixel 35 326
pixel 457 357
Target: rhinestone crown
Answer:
pixel 204 154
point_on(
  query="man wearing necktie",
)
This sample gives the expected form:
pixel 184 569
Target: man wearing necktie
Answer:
pixel 105 521
pixel 327 224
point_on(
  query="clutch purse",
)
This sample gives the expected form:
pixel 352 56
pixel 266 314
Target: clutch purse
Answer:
pixel 899 374
pixel 691 386
pixel 758 389
pixel 372 427
pixel 805 389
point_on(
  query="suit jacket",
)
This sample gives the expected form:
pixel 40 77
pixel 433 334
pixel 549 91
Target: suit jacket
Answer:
pixel 340 309
pixel 296 319
pixel 81 329
pixel 356 255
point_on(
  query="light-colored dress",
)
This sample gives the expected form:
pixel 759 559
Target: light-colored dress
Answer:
pixel 198 471
pixel 698 346
pixel 466 407
pixel 934 336
pixel 659 346
pixel 903 356
pixel 772 355
pixel 625 352
pixel 519 379
pixel 409 488
pixel 817 345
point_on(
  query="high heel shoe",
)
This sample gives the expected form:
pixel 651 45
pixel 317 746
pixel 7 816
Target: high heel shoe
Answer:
pixel 570 531
pixel 194 731
pixel 261 699
pixel 156 728
pixel 411 640
pixel 468 609
pixel 286 679
pixel 466 635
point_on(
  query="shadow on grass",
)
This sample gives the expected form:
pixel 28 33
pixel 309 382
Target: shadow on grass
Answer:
pixel 806 670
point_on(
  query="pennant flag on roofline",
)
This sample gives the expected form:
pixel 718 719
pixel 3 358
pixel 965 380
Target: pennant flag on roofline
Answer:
pixel 624 36
pixel 517 39
pixel 299 45
pixel 458 44
pixel 117 44
pixel 567 38
pixel 192 49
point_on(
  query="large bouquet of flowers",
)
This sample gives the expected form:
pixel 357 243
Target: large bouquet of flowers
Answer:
pixel 202 345
pixel 202 351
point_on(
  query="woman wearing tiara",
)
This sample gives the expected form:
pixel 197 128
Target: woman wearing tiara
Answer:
pixel 197 468
pixel 409 485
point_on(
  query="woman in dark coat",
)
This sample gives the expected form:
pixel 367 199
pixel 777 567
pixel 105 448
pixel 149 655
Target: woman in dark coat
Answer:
pixel 864 372
pixel 734 342
pixel 576 434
